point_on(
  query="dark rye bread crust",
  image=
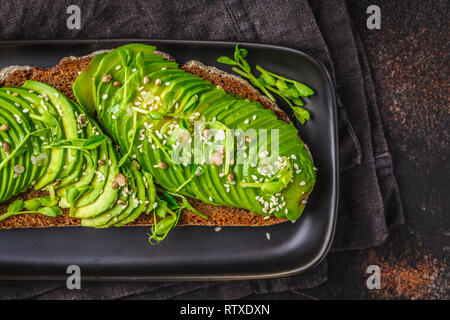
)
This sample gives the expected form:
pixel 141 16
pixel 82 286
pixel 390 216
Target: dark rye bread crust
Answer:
pixel 62 77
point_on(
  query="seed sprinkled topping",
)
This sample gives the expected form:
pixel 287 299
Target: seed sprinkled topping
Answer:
pixel 106 78
pixel 19 168
pixel 162 165
pixel 217 158
pixel 158 82
pixel 117 83
pixel 4 127
pixel 146 79
pixel 136 164
pixel 6 146
pixel 121 180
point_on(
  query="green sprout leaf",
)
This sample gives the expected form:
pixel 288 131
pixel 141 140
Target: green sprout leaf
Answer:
pixel 93 141
pixel 32 204
pixel 287 89
pixel 16 206
pixel 50 211
pixel 303 90
pixel 301 114
pixel 226 60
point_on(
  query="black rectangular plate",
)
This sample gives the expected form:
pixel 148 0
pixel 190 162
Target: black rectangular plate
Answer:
pixel 189 253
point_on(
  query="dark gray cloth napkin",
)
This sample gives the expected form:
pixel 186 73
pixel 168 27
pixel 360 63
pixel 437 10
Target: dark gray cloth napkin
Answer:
pixel 370 204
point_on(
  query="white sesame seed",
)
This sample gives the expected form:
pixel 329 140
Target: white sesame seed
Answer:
pixel 217 229
pixel 18 119
pixel 105 96
pixel 246 121
pixel 268 235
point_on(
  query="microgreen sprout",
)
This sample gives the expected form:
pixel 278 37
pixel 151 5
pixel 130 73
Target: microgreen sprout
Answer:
pixel 269 83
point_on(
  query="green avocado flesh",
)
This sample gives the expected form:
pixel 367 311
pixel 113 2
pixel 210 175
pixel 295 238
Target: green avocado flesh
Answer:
pixel 193 137
pixel 161 132
pixel 53 145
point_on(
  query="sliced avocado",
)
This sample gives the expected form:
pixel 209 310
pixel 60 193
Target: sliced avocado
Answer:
pixel 141 198
pixel 68 120
pixel 108 195
pixel 19 128
pixel 87 173
pixel 83 84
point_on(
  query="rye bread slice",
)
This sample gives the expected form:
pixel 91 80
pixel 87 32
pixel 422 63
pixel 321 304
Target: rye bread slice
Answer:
pixel 62 77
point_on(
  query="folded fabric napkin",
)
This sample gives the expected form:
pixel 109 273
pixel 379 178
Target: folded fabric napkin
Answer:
pixel 370 204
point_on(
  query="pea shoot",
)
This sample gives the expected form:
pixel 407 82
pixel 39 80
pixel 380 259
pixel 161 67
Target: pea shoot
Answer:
pixel 270 83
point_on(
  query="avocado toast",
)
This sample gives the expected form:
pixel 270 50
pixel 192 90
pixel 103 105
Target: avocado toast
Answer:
pixel 147 104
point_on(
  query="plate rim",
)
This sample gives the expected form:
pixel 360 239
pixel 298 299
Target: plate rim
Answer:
pixel 331 225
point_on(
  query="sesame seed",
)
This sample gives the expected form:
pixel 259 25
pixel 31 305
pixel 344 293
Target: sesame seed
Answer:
pixel 217 229
pixel 268 235
pixel 105 96
pixel 106 78
pixel 158 82
pixel 118 67
pixel 18 119
pixel 302 183
pixel 246 121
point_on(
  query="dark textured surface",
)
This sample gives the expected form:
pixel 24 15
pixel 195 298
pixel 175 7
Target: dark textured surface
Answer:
pixel 408 51
pixel 410 66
